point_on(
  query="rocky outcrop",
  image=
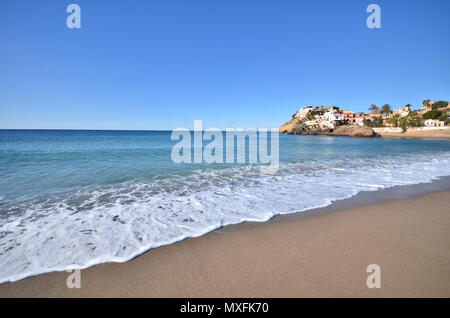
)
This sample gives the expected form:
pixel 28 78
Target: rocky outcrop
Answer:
pixel 297 127
pixel 354 131
pixel 288 127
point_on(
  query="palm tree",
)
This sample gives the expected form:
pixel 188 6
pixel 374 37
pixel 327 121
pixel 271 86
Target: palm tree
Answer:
pixel 374 108
pixel 395 120
pixel 426 102
pixel 386 109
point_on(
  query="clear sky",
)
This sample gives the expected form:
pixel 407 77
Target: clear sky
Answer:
pixel 232 63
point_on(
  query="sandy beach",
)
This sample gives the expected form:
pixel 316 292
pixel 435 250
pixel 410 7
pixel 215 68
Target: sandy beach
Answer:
pixel 323 255
pixel 425 134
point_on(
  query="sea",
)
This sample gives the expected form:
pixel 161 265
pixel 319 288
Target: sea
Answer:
pixel 73 199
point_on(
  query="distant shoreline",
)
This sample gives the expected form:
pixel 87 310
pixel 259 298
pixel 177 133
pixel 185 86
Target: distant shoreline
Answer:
pixel 439 133
pixel 56 129
pixel 431 121
pixel 294 127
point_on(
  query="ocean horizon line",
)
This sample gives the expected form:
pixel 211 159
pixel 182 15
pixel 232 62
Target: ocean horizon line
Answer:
pixel 119 130
pixel 76 129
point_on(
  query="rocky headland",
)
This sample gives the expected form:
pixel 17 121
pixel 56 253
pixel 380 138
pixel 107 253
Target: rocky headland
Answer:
pixel 298 127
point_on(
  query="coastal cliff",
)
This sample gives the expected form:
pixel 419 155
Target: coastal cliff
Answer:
pixel 297 127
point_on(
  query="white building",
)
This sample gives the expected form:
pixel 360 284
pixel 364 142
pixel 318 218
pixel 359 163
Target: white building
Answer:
pixel 304 111
pixel 403 112
pixel 319 123
pixel 433 123
pixel 312 122
pixel 359 121
pixel 332 116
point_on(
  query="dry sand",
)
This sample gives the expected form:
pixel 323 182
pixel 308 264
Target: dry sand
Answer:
pixel 324 255
pixel 432 134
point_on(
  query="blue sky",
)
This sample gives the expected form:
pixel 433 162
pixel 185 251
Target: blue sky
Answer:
pixel 232 63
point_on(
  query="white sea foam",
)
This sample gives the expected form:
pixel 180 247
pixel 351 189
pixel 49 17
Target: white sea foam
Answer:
pixel 114 224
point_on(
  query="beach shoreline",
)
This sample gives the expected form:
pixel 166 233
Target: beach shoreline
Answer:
pixel 294 255
pixel 442 134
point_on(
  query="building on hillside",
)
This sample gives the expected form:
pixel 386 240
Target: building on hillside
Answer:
pixel 434 123
pixel 333 116
pixel 429 106
pixel 327 108
pixel 319 124
pixel 372 116
pixel 312 122
pixel 403 112
pixel 320 113
pixel 359 121
pixel 348 116
pixel 353 118
pixel 303 112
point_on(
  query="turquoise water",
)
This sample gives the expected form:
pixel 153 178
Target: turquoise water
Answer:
pixel 78 198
